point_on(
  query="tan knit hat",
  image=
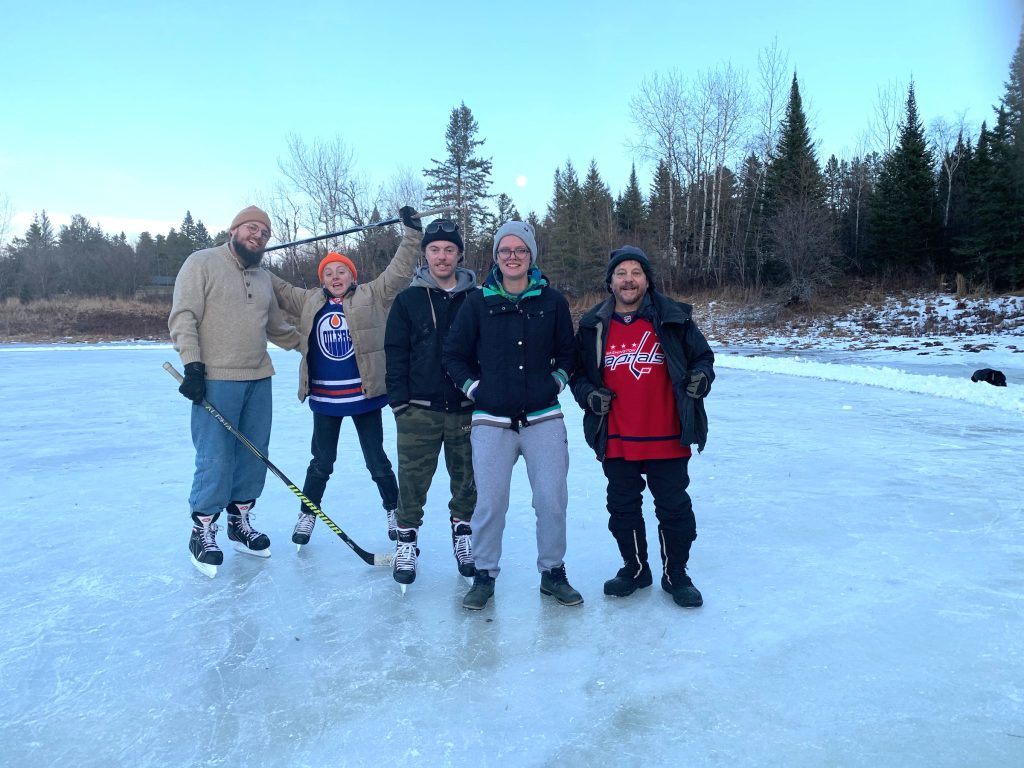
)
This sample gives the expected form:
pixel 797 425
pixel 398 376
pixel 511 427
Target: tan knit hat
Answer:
pixel 252 213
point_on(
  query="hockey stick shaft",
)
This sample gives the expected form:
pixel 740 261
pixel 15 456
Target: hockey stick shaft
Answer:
pixel 353 230
pixel 369 558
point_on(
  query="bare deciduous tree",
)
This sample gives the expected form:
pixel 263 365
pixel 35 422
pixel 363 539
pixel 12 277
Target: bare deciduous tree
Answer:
pixel 947 140
pixel 659 111
pixel 884 128
pixel 324 183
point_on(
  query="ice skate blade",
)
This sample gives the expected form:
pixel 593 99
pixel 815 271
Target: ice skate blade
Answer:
pixel 244 550
pixel 403 586
pixel 204 568
pixel 298 547
pixel 469 579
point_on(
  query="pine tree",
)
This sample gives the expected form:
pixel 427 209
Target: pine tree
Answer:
pixel 629 209
pixel 793 171
pixel 598 231
pixel 462 181
pixel 563 223
pixel 903 218
pixel 800 231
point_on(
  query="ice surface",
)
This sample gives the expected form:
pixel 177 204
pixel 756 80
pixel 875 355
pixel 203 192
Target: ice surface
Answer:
pixel 860 552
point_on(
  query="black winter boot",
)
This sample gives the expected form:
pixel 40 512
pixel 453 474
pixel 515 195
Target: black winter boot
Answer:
pixel 675 553
pixel 481 592
pixel 636 573
pixel 555 583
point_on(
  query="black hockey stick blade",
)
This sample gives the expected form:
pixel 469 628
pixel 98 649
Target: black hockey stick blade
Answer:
pixel 370 558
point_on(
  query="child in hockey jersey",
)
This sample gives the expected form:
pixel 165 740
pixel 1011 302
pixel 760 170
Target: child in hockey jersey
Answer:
pixel 341 372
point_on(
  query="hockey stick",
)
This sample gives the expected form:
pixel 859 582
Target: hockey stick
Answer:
pixel 369 558
pixel 353 230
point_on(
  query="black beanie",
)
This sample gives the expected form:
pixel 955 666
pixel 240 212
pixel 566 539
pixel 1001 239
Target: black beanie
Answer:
pixel 435 230
pixel 628 253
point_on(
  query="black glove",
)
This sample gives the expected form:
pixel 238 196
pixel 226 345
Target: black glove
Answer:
pixel 410 218
pixel 698 386
pixel 600 400
pixel 194 385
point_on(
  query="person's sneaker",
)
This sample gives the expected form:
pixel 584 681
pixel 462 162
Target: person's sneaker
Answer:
pixel 247 539
pixel 406 551
pixel 303 528
pixel 555 583
pixel 202 544
pixel 682 590
pixel 462 546
pixel 481 591
pixel 392 523
pixel 628 580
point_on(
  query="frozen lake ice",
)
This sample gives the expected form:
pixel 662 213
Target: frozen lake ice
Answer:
pixel 860 552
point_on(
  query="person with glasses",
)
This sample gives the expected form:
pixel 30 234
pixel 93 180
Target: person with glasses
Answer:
pixel 341 329
pixel 643 371
pixel 430 411
pixel 222 315
pixel 510 350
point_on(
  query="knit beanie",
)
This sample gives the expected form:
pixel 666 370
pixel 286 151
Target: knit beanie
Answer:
pixel 252 213
pixel 339 258
pixel 520 229
pixel 437 230
pixel 628 253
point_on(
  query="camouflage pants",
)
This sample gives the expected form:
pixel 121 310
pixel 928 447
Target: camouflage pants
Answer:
pixel 421 434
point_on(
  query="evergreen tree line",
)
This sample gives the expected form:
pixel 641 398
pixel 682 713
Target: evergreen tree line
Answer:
pixel 727 206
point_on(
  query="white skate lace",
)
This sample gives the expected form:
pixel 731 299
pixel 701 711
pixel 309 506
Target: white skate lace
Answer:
pixel 405 556
pixel 208 534
pixel 242 526
pixel 461 544
pixel 305 524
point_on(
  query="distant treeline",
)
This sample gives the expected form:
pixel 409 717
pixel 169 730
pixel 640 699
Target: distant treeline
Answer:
pixel 739 199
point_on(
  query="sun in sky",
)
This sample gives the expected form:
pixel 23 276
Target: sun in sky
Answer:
pixel 521 180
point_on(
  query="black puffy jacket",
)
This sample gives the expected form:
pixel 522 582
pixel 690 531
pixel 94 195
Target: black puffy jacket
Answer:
pixel 512 348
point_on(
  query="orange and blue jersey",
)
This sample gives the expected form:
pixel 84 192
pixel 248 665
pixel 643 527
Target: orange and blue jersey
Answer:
pixel 335 386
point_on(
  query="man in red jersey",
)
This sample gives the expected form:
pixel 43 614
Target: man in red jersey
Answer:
pixel 643 369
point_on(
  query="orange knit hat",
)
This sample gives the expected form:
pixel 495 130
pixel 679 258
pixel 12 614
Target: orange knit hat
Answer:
pixel 340 258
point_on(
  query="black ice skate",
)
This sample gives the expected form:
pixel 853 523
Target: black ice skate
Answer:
pixel 247 539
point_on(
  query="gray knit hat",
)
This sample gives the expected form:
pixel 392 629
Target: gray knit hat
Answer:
pixel 520 229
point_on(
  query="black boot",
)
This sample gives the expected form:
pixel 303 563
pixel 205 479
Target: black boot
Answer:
pixel 636 573
pixel 675 553
pixel 482 591
pixel 555 584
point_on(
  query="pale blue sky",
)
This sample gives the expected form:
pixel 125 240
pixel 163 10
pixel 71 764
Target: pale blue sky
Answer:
pixel 130 114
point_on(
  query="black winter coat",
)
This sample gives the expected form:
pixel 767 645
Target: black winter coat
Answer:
pixel 417 326
pixel 685 349
pixel 512 348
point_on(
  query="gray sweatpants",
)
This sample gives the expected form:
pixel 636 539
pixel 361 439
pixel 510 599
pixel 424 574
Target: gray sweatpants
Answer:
pixel 496 450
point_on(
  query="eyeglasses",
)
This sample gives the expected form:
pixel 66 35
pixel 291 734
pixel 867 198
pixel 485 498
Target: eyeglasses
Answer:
pixel 442 225
pixel 256 228
pixel 506 253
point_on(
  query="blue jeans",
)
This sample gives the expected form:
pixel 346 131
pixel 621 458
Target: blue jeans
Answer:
pixel 324 447
pixel 226 470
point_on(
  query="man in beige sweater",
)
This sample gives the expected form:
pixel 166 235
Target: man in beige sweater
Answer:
pixel 223 313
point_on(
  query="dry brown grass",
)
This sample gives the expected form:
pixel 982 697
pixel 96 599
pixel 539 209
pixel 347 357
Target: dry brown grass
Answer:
pixel 76 319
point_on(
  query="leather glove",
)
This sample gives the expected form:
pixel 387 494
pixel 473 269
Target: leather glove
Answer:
pixel 410 218
pixel 600 400
pixel 194 385
pixel 698 386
